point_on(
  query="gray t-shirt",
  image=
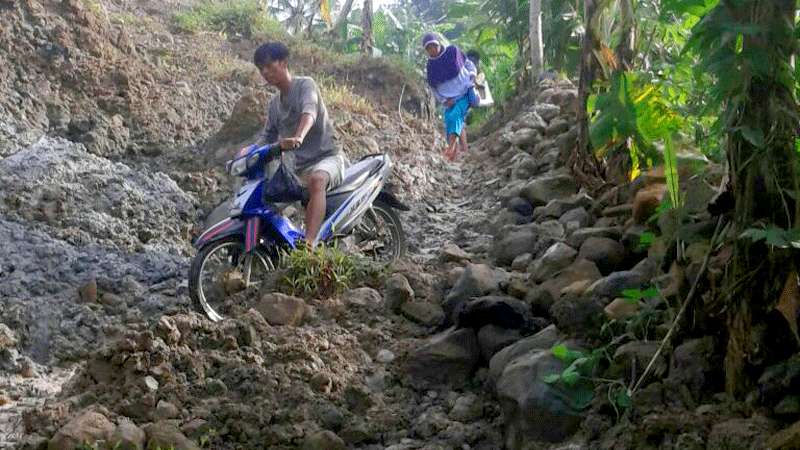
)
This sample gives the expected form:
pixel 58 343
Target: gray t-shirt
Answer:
pixel 283 115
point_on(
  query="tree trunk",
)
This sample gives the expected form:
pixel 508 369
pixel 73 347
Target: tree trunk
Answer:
pixel 535 37
pixel 760 177
pixel 627 45
pixel 348 5
pixel 366 26
pixel 582 160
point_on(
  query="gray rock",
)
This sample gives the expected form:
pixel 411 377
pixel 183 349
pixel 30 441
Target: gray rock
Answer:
pixel 556 258
pixel 542 340
pixel 397 291
pixel 364 297
pixel 578 215
pixel 558 207
pixel 607 254
pixel 693 364
pixel 467 408
pixel 532 409
pixel 557 126
pixel 525 137
pixel 546 188
pixel 281 309
pixel 577 238
pixel 88 427
pixel 424 313
pixel 534 119
pixel 579 270
pixel 447 359
pixel 613 285
pixel 477 280
pixel 453 253
pixel 740 434
pixel 520 206
pixel 324 440
pixel 521 262
pixel 493 338
pixel 632 358
pixel 532 238
pixel 540 299
pixel 579 316
pixel 503 311
pixel 7 337
pixel 546 111
pixel 331 417
pixel 127 436
pixel 166 410
pixel 166 435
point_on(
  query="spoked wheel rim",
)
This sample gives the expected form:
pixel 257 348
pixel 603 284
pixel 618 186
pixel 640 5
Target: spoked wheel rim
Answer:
pixel 378 236
pixel 227 270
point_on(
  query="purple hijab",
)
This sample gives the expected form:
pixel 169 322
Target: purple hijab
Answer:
pixel 446 66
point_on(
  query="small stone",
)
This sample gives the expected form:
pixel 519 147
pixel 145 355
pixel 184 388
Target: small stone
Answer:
pixel 364 297
pixel 321 382
pixel 424 313
pixel 467 408
pixel 384 356
pixel 521 262
pixel 151 383
pixel 216 387
pixel 7 337
pixel 577 288
pixel 88 292
pixel 166 410
pixel 27 369
pixel 453 253
pixel 281 309
pixel 397 291
pixel 127 436
pixel 621 308
pixel 324 440
pixel 4 400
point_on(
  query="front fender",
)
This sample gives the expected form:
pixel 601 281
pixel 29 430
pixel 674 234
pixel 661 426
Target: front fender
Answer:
pixel 222 229
pixel 387 197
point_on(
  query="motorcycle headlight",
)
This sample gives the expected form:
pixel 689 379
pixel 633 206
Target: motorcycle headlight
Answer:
pixel 237 166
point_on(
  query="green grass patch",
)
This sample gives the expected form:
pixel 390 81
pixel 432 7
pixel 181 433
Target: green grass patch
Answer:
pixel 231 17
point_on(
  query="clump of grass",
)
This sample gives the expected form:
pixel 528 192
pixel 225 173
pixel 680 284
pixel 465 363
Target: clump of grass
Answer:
pixel 321 272
pixel 340 96
pixel 232 17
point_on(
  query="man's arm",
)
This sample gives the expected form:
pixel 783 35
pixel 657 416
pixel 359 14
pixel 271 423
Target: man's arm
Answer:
pixel 309 105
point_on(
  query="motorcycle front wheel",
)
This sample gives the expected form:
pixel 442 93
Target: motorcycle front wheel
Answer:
pixel 222 269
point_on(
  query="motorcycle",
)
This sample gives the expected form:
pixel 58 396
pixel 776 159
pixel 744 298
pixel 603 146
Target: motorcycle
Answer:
pixel 247 235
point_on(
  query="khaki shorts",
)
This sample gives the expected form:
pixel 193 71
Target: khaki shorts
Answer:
pixel 332 165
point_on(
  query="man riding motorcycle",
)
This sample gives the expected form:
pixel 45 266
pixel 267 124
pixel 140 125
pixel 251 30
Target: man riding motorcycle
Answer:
pixel 298 119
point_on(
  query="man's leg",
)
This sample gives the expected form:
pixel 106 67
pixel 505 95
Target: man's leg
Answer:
pixel 315 210
pixel 464 140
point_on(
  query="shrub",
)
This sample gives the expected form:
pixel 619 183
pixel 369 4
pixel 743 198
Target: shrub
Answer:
pixel 238 17
pixel 319 273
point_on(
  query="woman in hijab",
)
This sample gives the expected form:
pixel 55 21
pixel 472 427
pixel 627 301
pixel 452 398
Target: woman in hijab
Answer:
pixel 451 76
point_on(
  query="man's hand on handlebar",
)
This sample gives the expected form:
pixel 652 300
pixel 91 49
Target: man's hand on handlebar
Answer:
pixel 290 143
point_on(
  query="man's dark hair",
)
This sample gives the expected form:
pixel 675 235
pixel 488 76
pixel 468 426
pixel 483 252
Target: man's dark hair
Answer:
pixel 269 52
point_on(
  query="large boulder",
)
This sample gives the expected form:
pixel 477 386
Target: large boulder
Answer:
pixel 424 313
pixel 127 436
pixel 534 410
pixel 165 434
pixel 546 188
pixel 579 270
pixel 607 254
pixel 476 280
pixel 542 340
pixel 506 312
pixel 492 339
pixel 88 427
pixel 554 259
pixel 447 359
pixel 692 365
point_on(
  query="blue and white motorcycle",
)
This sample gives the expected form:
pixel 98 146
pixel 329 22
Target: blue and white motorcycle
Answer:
pixel 246 235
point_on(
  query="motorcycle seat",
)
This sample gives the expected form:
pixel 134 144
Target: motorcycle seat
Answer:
pixel 357 174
